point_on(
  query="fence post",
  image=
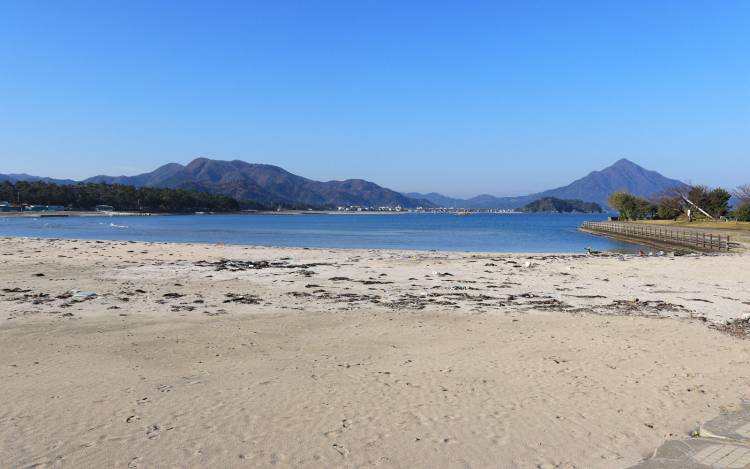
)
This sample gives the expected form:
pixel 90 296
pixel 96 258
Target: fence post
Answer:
pixel 684 237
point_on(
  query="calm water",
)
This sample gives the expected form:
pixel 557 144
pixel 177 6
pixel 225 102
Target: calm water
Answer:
pixel 480 232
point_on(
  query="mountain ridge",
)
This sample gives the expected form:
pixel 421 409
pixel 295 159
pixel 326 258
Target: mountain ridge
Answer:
pixel 28 177
pixel 272 185
pixel 594 187
pixel 265 184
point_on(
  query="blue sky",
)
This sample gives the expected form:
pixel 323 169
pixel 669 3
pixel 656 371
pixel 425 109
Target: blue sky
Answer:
pixel 457 97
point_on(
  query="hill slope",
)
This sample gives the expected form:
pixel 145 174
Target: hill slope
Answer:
pixel 594 187
pixel 30 178
pixel 266 184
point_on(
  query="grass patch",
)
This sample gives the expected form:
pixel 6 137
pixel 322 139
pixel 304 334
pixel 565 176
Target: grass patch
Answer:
pixel 705 224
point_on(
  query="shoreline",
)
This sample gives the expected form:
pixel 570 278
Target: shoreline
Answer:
pixel 358 357
pixel 82 213
pixel 347 249
pixel 86 213
pixel 533 264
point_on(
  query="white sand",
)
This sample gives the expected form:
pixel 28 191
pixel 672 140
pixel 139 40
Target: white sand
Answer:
pixel 465 360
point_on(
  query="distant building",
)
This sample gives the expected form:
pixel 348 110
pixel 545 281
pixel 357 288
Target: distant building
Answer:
pixel 36 208
pixel 55 208
pixel 105 208
pixel 6 207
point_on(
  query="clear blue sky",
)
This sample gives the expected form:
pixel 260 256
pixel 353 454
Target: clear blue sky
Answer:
pixel 457 97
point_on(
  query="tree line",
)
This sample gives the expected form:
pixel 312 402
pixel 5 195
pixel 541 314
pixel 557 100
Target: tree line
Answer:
pixel 676 202
pixel 553 204
pixel 122 198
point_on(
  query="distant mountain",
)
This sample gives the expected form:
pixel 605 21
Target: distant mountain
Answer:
pixel 265 184
pixel 595 187
pixel 438 200
pixel 273 186
pixel 623 175
pixel 555 205
pixel 161 176
pixel 30 178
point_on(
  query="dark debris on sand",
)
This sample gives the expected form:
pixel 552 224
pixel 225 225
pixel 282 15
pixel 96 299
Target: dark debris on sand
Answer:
pixel 233 265
pixel 242 299
pixel 737 327
pixel 644 308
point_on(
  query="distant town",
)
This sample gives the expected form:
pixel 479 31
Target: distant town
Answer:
pixel 398 209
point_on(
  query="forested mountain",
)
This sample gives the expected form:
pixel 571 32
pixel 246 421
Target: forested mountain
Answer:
pixel 265 184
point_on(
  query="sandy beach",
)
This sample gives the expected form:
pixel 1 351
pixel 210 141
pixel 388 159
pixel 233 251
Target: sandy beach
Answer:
pixel 125 354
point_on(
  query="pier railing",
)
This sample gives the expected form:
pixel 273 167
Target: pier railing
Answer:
pixel 695 239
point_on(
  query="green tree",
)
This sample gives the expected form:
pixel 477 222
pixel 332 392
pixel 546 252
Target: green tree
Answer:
pixel 743 212
pixel 718 202
pixel 699 196
pixel 714 201
pixel 631 207
pixel 669 208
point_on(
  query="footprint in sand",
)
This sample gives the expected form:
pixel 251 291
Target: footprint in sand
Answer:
pixel 164 388
pixel 340 449
pixel 154 431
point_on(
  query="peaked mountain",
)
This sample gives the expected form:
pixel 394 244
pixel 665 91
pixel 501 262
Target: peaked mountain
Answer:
pixel 595 187
pixel 30 178
pixel 264 184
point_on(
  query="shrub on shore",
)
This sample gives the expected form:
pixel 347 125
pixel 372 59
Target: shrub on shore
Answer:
pixel 743 212
pixel 631 207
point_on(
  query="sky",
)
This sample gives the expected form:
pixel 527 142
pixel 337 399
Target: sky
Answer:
pixel 461 97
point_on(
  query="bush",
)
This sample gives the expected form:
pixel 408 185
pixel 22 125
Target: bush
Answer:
pixel 631 207
pixel 743 212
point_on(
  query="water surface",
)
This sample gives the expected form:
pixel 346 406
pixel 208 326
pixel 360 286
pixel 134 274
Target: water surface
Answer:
pixel 419 231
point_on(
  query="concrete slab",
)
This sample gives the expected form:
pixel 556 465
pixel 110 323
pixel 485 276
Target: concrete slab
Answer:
pixel 722 443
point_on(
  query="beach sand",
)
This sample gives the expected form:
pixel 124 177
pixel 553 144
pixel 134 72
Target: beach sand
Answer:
pixel 231 356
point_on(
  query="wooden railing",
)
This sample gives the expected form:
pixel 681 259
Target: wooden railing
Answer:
pixel 695 239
